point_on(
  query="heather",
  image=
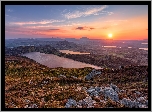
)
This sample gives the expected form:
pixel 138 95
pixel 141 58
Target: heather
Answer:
pixel 29 84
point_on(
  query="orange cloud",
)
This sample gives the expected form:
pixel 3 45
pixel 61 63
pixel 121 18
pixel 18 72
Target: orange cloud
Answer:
pixel 129 28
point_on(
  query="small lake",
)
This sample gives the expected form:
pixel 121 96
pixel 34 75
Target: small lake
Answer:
pixel 110 46
pixel 144 43
pixel 53 61
pixel 144 48
pixel 71 52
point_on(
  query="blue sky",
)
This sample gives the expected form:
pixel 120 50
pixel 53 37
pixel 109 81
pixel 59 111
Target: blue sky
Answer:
pixel 63 20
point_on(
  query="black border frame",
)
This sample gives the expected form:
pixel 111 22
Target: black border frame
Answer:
pixel 3 3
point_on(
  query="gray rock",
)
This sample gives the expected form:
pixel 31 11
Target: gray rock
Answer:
pixel 114 87
pixel 45 82
pixel 27 101
pixel 91 89
pixel 134 104
pixel 94 93
pixel 88 102
pixel 109 92
pixel 26 106
pixel 141 100
pixel 122 91
pixel 84 88
pixel 92 74
pixel 129 103
pixel 70 103
pixel 81 103
pixel 142 106
pixel 31 106
pixel 62 76
pixel 98 89
pixel 137 92
pixel 88 99
pixel 34 106
pixel 89 77
pixel 74 77
pixel 146 102
pixel 103 101
pixel 67 105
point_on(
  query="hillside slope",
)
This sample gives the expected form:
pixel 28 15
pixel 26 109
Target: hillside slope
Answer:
pixel 31 85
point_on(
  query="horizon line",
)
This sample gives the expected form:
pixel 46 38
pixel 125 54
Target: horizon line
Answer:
pixel 72 38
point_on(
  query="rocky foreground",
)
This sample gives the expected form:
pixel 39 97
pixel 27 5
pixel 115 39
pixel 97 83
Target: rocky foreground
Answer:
pixel 31 85
pixel 103 95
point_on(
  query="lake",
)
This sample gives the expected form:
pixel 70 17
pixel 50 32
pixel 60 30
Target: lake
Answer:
pixel 144 48
pixel 71 52
pixel 53 61
pixel 109 46
pixel 144 43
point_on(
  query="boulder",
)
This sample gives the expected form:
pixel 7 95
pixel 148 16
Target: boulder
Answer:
pixel 89 76
pixel 129 103
pixel 114 87
pixel 141 100
pixel 92 74
pixel 70 103
pixel 94 91
pixel 138 93
pixel 90 90
pixel 87 102
pixel 62 76
pixel 84 88
pixel 98 89
pixel 110 93
pixel 74 77
pixel 143 106
pixel 31 106
pixel 139 103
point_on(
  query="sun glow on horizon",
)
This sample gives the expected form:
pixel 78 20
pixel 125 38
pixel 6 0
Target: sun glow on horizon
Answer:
pixel 75 21
pixel 109 35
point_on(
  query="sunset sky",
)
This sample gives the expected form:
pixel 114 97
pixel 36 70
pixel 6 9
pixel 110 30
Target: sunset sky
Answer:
pixel 126 22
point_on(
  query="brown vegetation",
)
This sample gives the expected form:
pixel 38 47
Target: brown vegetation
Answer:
pixel 28 83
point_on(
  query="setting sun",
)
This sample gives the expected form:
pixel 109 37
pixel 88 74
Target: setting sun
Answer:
pixel 92 21
pixel 110 35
